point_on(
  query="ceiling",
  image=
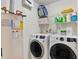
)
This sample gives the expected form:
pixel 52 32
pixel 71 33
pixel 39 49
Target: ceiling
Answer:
pixel 45 2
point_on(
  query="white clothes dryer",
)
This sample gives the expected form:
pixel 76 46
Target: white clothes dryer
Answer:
pixel 63 47
pixel 39 46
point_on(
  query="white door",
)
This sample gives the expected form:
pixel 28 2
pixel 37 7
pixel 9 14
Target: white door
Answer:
pixel 6 42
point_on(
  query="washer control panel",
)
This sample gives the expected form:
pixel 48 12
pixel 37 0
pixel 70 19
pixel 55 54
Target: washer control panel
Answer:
pixel 40 36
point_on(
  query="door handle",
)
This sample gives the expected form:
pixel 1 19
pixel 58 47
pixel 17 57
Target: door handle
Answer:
pixel 1 52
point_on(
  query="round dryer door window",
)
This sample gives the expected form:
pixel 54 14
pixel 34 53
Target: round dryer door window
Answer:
pixel 61 51
pixel 36 49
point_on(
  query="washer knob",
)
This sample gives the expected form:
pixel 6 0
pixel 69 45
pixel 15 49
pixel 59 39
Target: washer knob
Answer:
pixel 36 36
pixel 61 39
pixel 74 39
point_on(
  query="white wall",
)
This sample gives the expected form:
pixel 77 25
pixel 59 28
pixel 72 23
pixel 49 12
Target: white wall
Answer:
pixel 57 7
pixel 5 3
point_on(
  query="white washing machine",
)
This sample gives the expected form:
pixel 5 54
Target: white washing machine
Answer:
pixel 39 46
pixel 63 47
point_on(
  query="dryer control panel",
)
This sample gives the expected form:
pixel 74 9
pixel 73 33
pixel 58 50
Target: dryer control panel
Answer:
pixel 66 39
pixel 71 40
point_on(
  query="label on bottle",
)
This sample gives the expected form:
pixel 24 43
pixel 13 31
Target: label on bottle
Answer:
pixel 21 25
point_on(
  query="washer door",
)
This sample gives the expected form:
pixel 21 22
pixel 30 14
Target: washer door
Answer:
pixel 36 49
pixel 61 51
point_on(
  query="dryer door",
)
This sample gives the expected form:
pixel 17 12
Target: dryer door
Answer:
pixel 61 51
pixel 36 49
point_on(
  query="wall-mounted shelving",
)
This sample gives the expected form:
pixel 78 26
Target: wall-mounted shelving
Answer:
pixel 72 26
pixel 67 24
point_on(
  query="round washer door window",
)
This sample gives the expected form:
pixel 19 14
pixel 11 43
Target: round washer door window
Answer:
pixel 61 51
pixel 36 49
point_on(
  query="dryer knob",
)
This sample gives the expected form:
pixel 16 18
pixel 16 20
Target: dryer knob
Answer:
pixel 61 39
